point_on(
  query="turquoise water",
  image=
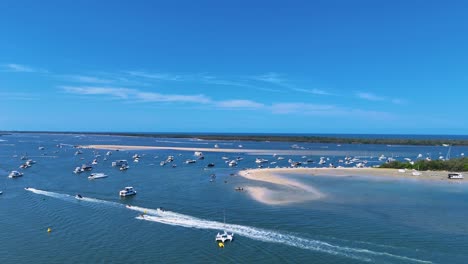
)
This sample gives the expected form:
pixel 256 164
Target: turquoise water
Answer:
pixel 360 220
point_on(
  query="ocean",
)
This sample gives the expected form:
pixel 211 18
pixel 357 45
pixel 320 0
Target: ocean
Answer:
pixel 360 219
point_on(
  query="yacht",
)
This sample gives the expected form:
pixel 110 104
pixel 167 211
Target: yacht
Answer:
pixel 455 176
pixel 15 174
pixel 97 176
pixel 128 191
pixel 225 236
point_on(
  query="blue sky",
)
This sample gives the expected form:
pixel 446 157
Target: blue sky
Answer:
pixel 398 67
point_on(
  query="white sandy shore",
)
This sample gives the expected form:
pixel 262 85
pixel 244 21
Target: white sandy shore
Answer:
pixel 293 191
pixel 225 150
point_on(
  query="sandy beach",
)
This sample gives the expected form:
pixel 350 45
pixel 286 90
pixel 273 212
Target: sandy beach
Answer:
pixel 225 150
pixel 291 191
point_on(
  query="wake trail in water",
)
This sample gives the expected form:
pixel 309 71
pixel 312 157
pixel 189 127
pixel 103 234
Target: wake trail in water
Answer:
pixel 175 219
pixel 67 197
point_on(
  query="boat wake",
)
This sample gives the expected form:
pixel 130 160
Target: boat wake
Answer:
pixel 67 197
pixel 175 219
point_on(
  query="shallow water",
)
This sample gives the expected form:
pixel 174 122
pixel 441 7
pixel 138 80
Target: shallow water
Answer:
pixel 360 220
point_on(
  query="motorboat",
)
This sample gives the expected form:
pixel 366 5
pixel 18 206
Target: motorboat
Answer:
pixel 136 156
pixel 258 160
pixel 239 189
pixel 455 176
pixel 30 162
pixel 86 167
pixel 225 236
pixel 78 196
pixel 24 166
pixel 99 175
pixel 162 163
pixel 198 154
pixel 210 165
pixel 190 161
pixel 119 163
pixel 94 162
pixel 41 148
pixel 15 174
pixel 125 167
pixel 232 163
pixel 77 170
pixel 128 191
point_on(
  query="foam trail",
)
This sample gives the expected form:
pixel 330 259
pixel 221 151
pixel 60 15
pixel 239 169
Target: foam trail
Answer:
pixel 67 197
pixel 175 219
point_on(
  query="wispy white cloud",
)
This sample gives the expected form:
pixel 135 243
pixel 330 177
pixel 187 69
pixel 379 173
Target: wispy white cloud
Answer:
pixel 86 79
pixel 374 97
pixel 13 67
pixel 156 76
pixel 122 93
pixel 271 77
pixel 369 96
pixel 16 96
pixel 288 108
pixel 247 104
pixel 312 91
pixel 175 98
pixel 134 94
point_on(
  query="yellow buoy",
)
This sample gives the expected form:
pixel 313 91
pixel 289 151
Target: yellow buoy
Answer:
pixel 49 230
pixel 221 244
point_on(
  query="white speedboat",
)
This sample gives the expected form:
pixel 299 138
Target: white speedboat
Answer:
pixel 99 175
pixel 455 176
pixel 77 170
pixel 232 163
pixel 258 160
pixel 128 191
pixel 15 174
pixel 189 161
pixel 225 236
pixel 124 168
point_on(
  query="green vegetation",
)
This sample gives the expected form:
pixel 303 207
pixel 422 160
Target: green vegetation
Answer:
pixel 276 138
pixel 459 164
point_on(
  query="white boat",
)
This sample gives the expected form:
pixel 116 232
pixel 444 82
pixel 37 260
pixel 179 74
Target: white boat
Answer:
pixel 190 161
pixel 280 158
pixel 136 156
pixel 125 167
pixel 119 163
pixel 232 163
pixel 216 146
pixel 108 153
pixel 128 191
pixel 94 162
pixel 41 148
pixel 77 170
pixel 455 176
pixel 99 175
pixel 258 160
pixel 225 236
pixel 198 154
pixel 15 174
pixel 416 173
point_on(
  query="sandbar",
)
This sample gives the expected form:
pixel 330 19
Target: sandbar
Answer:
pixel 293 191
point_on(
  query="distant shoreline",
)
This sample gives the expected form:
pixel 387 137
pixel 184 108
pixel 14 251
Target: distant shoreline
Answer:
pixel 333 139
